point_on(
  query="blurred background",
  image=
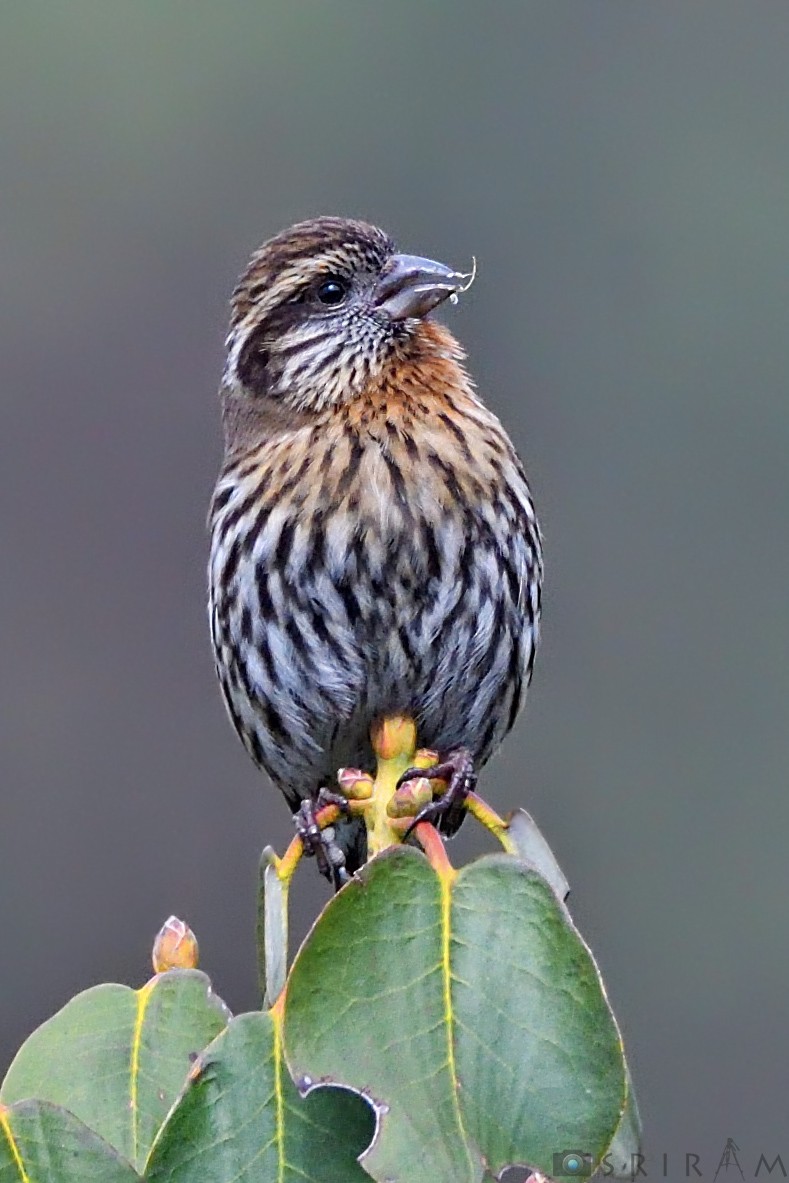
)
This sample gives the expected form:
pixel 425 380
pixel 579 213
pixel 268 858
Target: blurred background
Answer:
pixel 621 173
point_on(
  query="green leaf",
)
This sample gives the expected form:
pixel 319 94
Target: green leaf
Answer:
pixel 621 1160
pixel 538 1050
pixel 42 1142
pixel 117 1058
pixel 531 846
pixel 272 929
pixel 475 1012
pixel 241 1118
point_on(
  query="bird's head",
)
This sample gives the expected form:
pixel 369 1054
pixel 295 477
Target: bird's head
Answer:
pixel 322 308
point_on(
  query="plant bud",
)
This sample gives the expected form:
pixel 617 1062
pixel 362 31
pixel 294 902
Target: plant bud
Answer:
pixel 355 784
pixel 425 758
pixel 410 798
pixel 175 947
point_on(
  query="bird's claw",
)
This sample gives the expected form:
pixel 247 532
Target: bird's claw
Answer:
pixel 457 768
pixel 329 797
pixel 320 843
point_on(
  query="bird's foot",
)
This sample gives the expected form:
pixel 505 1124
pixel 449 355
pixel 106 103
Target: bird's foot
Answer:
pixel 320 843
pixel 457 769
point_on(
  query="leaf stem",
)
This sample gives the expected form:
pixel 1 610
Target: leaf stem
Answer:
pixel 491 820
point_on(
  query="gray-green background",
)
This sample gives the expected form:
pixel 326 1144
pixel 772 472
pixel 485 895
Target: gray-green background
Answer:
pixel 621 172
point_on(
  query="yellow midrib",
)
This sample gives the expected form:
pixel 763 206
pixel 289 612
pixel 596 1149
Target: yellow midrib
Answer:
pixel 5 1126
pixel 446 879
pixel 279 1100
pixel 143 997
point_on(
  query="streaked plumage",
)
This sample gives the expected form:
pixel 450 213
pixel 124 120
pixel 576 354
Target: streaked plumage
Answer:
pixel 374 544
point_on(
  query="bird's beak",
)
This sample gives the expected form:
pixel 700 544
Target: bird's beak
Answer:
pixel 410 286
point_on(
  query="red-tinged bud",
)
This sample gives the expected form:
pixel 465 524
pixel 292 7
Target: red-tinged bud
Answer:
pixel 175 947
pixel 425 758
pixel 394 738
pixel 410 797
pixel 355 784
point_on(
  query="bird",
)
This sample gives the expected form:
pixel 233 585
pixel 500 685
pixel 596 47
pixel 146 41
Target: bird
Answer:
pixel 375 549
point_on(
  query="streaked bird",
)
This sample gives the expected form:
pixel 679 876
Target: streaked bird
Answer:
pixel 374 545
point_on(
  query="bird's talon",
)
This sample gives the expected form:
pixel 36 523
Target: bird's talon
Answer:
pixel 457 769
pixel 412 773
pixel 328 797
pixel 320 844
pixel 428 813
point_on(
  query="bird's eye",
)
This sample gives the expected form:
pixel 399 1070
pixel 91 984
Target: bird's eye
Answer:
pixel 332 291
